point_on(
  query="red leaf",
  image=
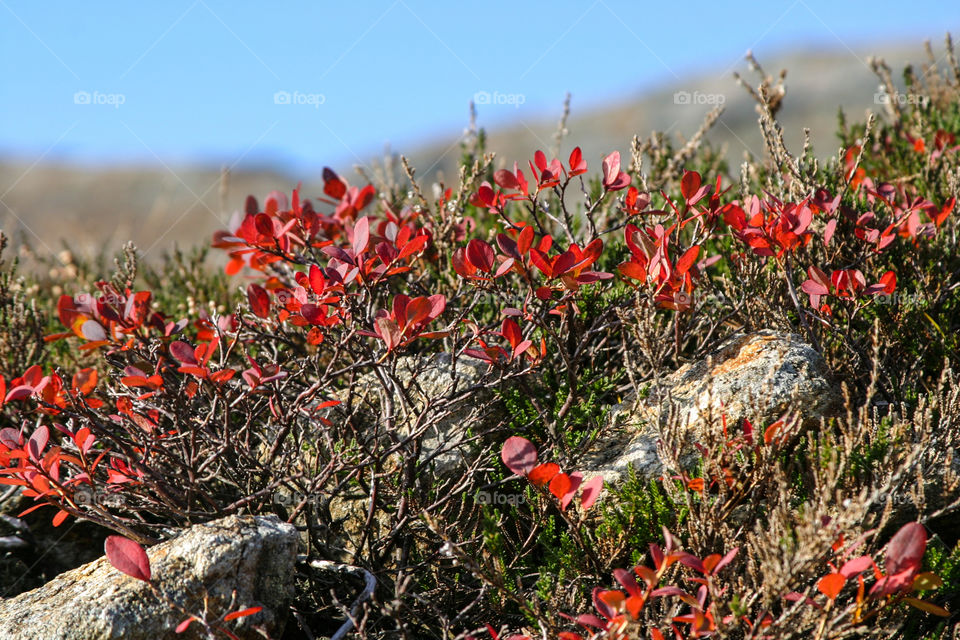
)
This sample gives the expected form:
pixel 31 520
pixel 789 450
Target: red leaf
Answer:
pixel 519 455
pixel 689 184
pixel 560 485
pixel 814 288
pixel 59 518
pixel 417 310
pixel 264 223
pixel 544 473
pixel 242 613
pixel 481 255
pixel 461 265
pixel 333 186
pixel 317 282
pixel 633 270
pixel 127 557
pixel 413 247
pixel 542 262
pixel 511 331
pixel 508 246
pixel 506 179
pixel 577 164
pixel 563 263
pixel 389 332
pixel 314 314
pixel 259 300
pixel 831 584
pixel 687 259
pixel 85 380
pixel 525 240
pixel 540 159
pixel 10 438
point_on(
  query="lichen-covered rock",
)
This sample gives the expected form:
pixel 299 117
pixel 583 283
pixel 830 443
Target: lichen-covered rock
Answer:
pixel 450 392
pixel 253 556
pixel 759 376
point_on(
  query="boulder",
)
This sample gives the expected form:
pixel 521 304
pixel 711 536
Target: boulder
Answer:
pixel 457 412
pixel 251 556
pixel 434 383
pixel 758 376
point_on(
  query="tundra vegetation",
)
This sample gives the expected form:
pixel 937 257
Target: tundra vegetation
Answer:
pixel 416 377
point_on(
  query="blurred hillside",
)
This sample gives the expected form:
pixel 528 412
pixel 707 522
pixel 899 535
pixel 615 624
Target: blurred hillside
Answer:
pixel 155 206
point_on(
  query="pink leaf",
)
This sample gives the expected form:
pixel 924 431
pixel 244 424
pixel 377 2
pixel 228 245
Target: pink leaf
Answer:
pixel 858 565
pixel 519 455
pixel 905 551
pixel 438 302
pixel 19 392
pixel 611 167
pixel 828 231
pixel 361 235
pixel 127 557
pixel 93 331
pixel 591 491
pixel 182 352
pixel 576 479
pixel 183 625
pixel 38 442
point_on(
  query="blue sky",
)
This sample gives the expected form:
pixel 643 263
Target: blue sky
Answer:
pixel 197 81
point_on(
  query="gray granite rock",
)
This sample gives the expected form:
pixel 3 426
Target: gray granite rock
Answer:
pixel 759 376
pixel 252 556
pixel 425 381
